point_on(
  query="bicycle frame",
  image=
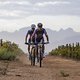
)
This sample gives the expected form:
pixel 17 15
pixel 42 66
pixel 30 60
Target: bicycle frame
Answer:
pixel 35 53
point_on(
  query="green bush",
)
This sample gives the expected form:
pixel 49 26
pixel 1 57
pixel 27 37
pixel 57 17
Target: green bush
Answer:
pixel 68 51
pixel 9 51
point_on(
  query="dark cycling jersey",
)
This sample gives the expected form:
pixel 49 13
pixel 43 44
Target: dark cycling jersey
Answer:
pixel 39 34
pixel 30 32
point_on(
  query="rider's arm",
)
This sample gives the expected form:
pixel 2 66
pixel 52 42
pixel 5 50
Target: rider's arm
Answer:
pixel 26 36
pixel 46 35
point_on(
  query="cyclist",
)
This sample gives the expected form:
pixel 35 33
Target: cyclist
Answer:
pixel 29 33
pixel 38 33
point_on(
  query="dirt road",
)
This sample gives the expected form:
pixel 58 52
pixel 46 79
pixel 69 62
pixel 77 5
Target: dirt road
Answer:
pixel 53 68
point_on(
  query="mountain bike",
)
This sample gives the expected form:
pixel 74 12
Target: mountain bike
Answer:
pixel 36 53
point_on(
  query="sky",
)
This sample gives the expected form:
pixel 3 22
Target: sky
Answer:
pixel 54 14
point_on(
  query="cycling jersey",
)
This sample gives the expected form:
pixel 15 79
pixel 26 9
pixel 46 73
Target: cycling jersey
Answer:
pixel 39 34
pixel 30 32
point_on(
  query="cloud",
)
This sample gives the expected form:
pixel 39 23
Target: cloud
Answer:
pixel 43 4
pixel 23 8
pixel 7 13
pixel 15 2
pixel 4 14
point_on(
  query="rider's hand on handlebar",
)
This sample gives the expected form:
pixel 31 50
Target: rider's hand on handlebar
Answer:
pixel 25 41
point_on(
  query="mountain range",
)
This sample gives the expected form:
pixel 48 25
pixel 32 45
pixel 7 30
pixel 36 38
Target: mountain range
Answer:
pixel 55 37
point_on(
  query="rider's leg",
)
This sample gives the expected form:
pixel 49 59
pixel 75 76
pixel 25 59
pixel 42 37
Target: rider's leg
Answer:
pixel 37 53
pixel 37 41
pixel 43 48
pixel 28 48
pixel 29 45
pixel 29 52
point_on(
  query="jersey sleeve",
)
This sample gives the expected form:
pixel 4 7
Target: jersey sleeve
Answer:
pixel 45 32
pixel 28 32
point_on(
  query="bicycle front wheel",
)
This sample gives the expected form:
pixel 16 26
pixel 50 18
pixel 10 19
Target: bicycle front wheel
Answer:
pixel 33 57
pixel 40 61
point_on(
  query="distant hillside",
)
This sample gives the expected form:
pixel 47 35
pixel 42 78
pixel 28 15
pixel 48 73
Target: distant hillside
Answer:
pixel 56 37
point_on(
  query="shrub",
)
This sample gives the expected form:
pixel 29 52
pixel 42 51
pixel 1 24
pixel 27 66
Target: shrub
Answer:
pixel 69 51
pixel 9 51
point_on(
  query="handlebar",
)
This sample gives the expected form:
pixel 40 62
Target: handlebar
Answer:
pixel 36 43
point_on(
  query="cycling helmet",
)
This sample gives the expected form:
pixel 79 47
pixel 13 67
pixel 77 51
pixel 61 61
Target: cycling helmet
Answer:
pixel 40 25
pixel 33 26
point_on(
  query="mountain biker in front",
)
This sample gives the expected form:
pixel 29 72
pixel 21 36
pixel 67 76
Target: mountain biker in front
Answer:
pixel 38 33
pixel 29 33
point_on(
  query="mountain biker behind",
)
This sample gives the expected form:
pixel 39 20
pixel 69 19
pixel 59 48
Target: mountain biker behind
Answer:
pixel 29 33
pixel 38 33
